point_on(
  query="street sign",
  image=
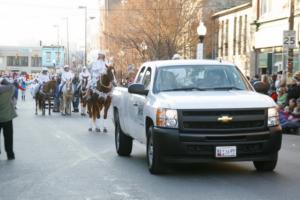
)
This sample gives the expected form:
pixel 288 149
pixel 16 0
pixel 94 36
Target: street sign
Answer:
pixel 289 39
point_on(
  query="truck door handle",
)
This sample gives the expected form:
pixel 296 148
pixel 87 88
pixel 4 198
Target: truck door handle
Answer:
pixel 135 104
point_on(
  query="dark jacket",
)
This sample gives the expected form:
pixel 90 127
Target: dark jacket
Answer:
pixel 7 109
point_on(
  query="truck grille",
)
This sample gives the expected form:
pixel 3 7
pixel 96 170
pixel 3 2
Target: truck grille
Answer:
pixel 222 121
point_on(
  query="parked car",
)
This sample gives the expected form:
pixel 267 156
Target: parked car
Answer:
pixel 190 111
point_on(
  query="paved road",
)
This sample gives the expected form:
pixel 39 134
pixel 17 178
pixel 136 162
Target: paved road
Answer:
pixel 57 158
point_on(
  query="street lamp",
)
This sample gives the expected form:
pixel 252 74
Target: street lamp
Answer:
pixel 201 30
pixel 85 33
pixel 57 28
pixel 57 54
pixel 68 46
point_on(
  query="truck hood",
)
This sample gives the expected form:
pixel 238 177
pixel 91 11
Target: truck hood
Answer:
pixel 213 100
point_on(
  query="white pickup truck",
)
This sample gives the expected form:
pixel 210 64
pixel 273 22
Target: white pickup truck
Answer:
pixel 189 111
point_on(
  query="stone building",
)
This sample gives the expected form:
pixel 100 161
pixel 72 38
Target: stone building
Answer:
pixel 262 33
pixel 207 9
pixel 234 36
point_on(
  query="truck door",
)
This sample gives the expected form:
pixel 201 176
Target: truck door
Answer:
pixel 131 124
pixel 138 103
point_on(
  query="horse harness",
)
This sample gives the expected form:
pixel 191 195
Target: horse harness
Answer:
pixel 101 94
pixel 41 90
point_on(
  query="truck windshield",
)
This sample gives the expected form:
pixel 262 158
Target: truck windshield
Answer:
pixel 199 78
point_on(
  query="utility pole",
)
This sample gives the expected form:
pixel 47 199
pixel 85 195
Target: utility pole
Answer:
pixel 67 57
pixel 68 43
pixel 291 50
pixel 85 33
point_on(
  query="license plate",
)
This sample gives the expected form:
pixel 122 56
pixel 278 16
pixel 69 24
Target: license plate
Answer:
pixel 226 152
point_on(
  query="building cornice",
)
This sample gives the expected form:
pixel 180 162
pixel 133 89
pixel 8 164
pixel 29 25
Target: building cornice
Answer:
pixel 232 10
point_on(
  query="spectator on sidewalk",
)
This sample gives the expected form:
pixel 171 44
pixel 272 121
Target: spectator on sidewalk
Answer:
pixel 282 96
pixel 8 113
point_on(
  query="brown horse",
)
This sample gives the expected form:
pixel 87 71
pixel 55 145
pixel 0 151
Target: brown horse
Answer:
pixel 82 94
pixel 45 93
pixel 101 98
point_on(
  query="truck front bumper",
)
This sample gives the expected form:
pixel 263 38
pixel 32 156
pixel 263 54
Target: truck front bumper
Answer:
pixel 177 147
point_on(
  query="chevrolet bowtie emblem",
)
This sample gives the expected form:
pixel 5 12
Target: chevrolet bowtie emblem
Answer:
pixel 225 119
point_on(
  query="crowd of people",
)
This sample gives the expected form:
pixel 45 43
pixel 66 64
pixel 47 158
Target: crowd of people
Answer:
pixel 286 94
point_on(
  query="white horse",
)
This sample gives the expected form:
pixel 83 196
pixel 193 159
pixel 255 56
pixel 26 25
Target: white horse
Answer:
pixel 67 96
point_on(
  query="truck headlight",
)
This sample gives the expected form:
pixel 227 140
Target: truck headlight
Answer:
pixel 166 118
pixel 273 117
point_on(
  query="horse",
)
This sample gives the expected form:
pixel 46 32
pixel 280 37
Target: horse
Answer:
pixel 45 93
pixel 100 98
pixel 82 93
pixel 67 96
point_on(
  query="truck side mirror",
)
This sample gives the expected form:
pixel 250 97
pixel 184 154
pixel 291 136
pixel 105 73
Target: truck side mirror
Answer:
pixel 138 89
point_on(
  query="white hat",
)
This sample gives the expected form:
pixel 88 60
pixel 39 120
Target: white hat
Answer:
pixel 66 66
pixel 44 69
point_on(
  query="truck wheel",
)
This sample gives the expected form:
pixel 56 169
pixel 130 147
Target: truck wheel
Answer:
pixel 122 141
pixel 153 154
pixel 265 166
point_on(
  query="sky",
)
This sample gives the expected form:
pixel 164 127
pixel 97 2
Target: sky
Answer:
pixel 26 22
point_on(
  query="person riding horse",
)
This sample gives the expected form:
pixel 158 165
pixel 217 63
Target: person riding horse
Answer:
pixel 66 91
pixel 98 68
pixel 66 75
pixel 85 80
pixel 43 78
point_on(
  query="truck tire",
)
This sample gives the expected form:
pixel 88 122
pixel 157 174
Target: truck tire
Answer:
pixel 123 142
pixel 153 155
pixel 265 166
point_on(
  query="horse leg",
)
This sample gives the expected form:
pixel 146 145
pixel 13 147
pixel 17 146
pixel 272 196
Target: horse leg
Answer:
pixel 36 106
pixel 43 107
pixel 106 108
pixel 61 104
pixel 63 107
pixel 90 117
pixel 49 104
pixel 97 117
pixel 70 104
pixel 83 107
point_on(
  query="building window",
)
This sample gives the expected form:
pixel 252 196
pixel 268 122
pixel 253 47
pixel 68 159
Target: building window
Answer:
pixel 227 37
pixel 222 39
pixel 17 61
pixel 245 34
pixel 234 35
pixel 57 55
pixel 240 35
pixel 48 56
pixel 36 61
pixel 264 7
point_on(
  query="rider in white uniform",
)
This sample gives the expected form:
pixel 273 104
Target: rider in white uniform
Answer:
pixel 98 68
pixel 85 74
pixel 66 75
pixel 43 78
